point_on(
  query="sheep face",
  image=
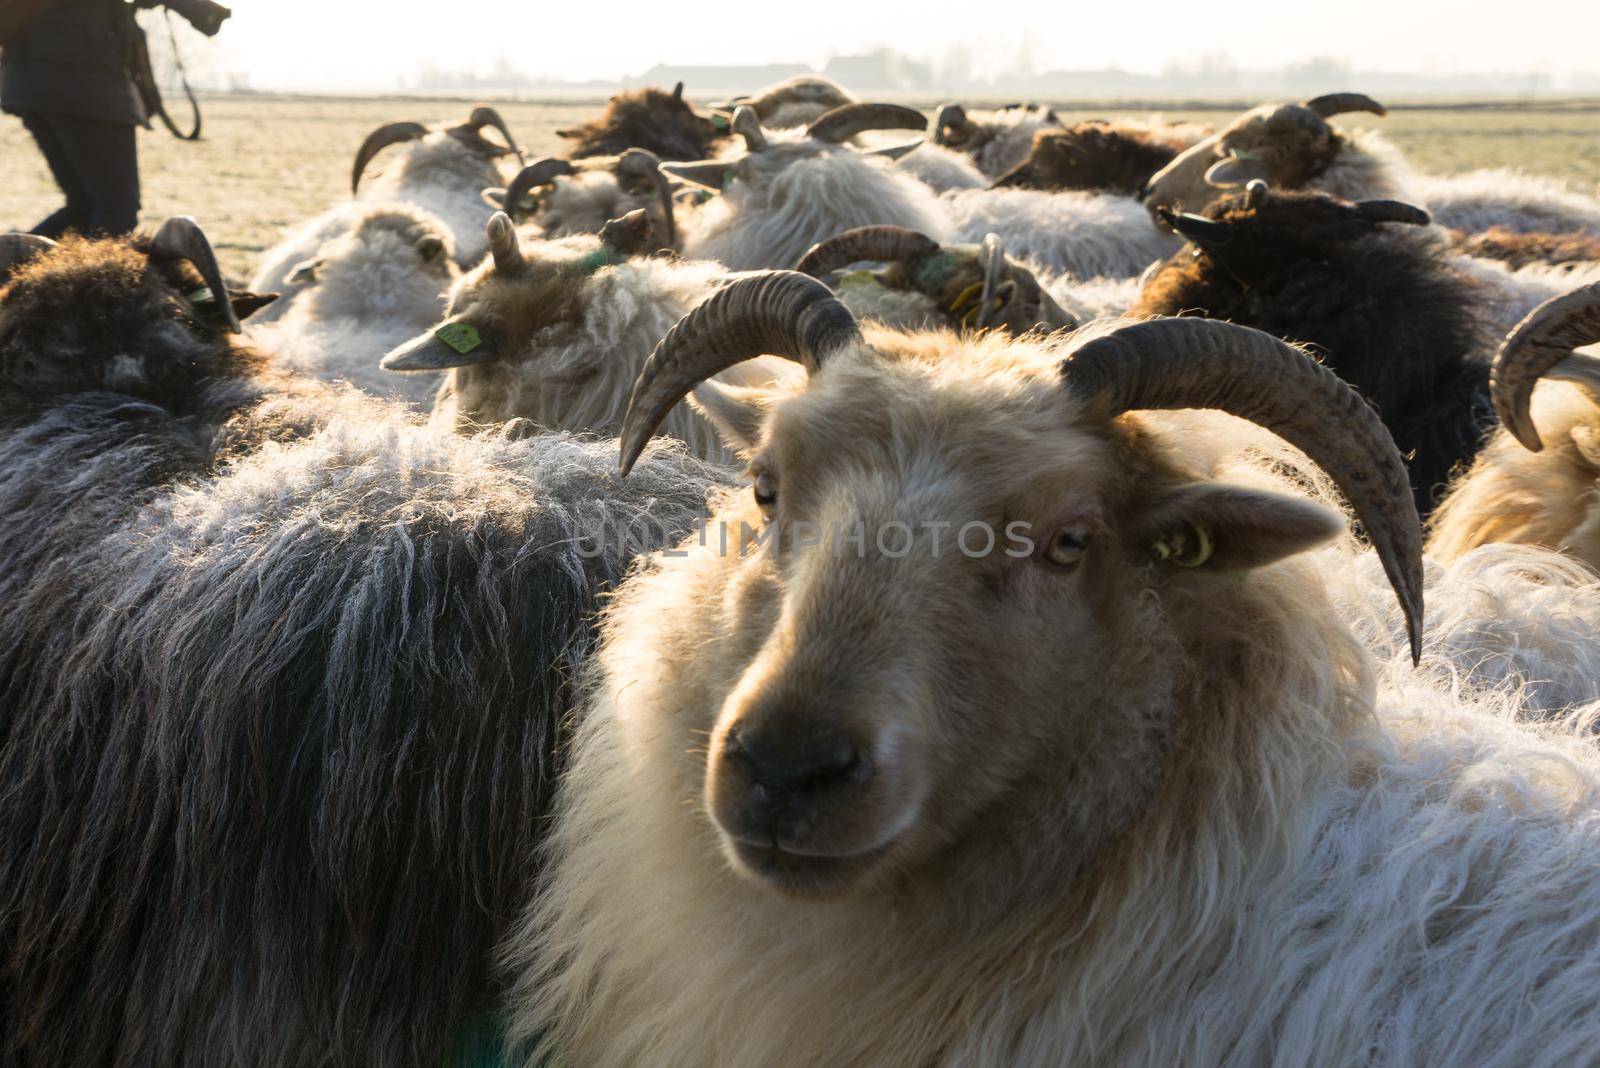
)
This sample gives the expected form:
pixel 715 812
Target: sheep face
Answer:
pixel 109 315
pixel 1284 145
pixel 385 256
pixel 851 717
pixel 663 122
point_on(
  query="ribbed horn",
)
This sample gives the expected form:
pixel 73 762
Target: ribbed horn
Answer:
pixel 992 256
pixel 17 249
pixel 747 124
pixel 1204 363
pixel 1543 339
pixel 540 172
pixel 393 133
pixel 1330 104
pixel 777 313
pixel 646 164
pixel 949 115
pixel 180 238
pixel 629 235
pixel 503 243
pixel 880 244
pixel 847 120
pixel 1395 211
pixel 484 115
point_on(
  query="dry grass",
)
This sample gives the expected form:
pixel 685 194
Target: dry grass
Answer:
pixel 268 163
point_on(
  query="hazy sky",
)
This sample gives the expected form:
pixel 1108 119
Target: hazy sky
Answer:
pixel 345 44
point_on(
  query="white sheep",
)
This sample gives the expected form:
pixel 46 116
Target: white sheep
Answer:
pixel 996 140
pixel 359 295
pixel 565 197
pixel 443 170
pixel 792 189
pixel 555 332
pixel 1086 235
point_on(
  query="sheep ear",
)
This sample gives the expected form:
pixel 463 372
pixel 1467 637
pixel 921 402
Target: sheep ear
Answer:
pixel 895 151
pixel 246 304
pixel 304 272
pixel 737 412
pixel 1235 170
pixel 452 343
pixel 495 197
pixel 430 248
pixel 1210 527
pixel 1586 439
pixel 713 174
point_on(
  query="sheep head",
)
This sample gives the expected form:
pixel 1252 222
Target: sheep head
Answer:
pixel 1285 145
pixel 1093 155
pixel 768 156
pixel 795 102
pixel 145 316
pixel 955 128
pixel 941 574
pixel 638 179
pixel 467 134
pixel 1252 248
pixel 653 119
pixel 973 286
pixel 498 310
pixel 392 236
pixel 1542 346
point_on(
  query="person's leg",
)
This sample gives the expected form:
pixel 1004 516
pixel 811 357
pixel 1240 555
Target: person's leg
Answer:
pixel 104 159
pixel 75 214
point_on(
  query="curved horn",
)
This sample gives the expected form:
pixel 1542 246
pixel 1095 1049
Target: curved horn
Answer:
pixel 992 256
pixel 1204 363
pixel 1207 233
pixel 629 235
pixel 949 115
pixel 847 120
pixel 543 171
pixel 881 244
pixel 180 238
pixel 747 124
pixel 1330 104
pixel 778 313
pixel 393 133
pixel 17 249
pixel 1543 339
pixel 503 244
pixel 645 163
pixel 484 115
pixel 1395 211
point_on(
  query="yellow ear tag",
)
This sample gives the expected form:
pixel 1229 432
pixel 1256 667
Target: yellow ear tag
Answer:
pixel 962 306
pixel 1175 548
pixel 463 337
pixel 859 279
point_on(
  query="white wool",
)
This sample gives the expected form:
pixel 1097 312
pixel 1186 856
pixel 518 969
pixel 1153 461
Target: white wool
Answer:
pixel 942 169
pixel 801 192
pixel 1082 234
pixel 300 244
pixel 583 203
pixel 1509 294
pixel 1507 197
pixel 440 175
pixel 1093 298
pixel 347 350
pixel 1010 136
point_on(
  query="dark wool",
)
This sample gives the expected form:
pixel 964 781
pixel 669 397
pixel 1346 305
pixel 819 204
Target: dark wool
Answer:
pixel 646 118
pixel 1379 303
pixel 282 674
pixel 1519 250
pixel 1091 156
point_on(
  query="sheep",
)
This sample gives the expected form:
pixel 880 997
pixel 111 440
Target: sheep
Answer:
pixel 647 118
pixel 1086 235
pixel 1084 805
pixel 996 140
pixel 1538 480
pixel 1519 250
pixel 923 284
pixel 941 169
pixel 441 170
pixel 790 104
pixel 360 295
pixel 791 190
pixel 1100 156
pixel 563 198
pixel 555 331
pixel 1383 307
pixel 285 673
pixel 1292 146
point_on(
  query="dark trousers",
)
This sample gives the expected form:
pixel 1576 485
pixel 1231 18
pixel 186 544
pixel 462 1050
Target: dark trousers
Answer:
pixel 96 164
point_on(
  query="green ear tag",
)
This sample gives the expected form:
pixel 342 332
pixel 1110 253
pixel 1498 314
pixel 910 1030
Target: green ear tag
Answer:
pixel 719 120
pixel 727 180
pixel 463 337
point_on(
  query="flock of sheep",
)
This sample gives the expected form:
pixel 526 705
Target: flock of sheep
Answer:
pixel 357 708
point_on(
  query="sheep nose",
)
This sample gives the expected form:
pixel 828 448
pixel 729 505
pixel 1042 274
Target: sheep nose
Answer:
pixel 782 764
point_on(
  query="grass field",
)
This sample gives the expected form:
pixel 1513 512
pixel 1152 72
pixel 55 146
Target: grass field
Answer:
pixel 267 163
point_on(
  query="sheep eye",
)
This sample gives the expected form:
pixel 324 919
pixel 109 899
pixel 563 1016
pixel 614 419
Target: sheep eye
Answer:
pixel 766 492
pixel 1066 548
